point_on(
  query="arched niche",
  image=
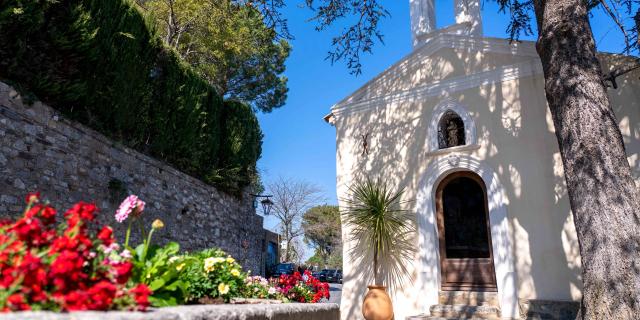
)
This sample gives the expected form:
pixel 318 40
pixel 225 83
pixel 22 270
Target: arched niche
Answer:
pixel 450 112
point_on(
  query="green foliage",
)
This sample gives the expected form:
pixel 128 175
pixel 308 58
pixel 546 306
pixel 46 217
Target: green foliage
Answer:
pixel 228 43
pixel 157 269
pixel 382 231
pixel 100 63
pixel 213 275
pixel 240 148
pixel 335 258
pixel 316 259
pixel 322 230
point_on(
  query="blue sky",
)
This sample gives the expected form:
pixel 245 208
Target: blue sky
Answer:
pixel 297 142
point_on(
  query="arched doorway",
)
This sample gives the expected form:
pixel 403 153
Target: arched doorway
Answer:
pixel 466 254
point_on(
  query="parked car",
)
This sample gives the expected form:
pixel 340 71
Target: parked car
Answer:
pixel 334 275
pixel 284 268
pixel 322 275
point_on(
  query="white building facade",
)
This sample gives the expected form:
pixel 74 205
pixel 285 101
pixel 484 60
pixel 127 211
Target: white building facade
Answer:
pixel 461 123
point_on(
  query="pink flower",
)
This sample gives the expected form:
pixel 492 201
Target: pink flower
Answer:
pixel 130 205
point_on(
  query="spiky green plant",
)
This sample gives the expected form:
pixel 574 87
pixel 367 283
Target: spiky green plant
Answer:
pixel 381 229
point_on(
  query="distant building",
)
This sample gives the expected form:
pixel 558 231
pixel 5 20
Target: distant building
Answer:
pixel 270 251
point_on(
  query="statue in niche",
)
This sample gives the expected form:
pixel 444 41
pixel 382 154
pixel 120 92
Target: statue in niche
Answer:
pixel 450 131
pixel 452 134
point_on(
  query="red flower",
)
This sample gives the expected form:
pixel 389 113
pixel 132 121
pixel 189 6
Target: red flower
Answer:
pixel 32 197
pixel 122 271
pixel 66 271
pixel 28 229
pixel 102 295
pixel 141 295
pixel 48 266
pixel 76 301
pixel 106 235
pixel 8 277
pixel 17 302
pixel 48 215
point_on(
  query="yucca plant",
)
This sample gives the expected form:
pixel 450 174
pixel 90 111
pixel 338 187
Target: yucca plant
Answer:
pixel 381 229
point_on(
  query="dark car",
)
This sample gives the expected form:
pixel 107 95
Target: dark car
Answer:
pixel 322 275
pixel 338 277
pixel 329 274
pixel 284 268
pixel 334 275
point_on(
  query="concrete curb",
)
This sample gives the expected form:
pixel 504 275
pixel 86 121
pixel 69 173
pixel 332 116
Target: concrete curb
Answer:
pixel 287 311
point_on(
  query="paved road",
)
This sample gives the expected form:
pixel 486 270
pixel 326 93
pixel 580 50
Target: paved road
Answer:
pixel 335 291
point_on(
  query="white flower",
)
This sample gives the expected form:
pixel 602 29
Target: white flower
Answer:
pixel 272 290
pixel 112 247
pixel 209 264
pixel 126 254
pixel 223 288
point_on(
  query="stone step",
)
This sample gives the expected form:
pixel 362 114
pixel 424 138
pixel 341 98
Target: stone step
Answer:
pixel 461 311
pixel 472 298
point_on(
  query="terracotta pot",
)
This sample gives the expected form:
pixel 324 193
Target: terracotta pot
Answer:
pixel 377 304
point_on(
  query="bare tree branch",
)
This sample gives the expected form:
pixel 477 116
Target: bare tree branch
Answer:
pixel 616 19
pixel 292 198
pixel 358 37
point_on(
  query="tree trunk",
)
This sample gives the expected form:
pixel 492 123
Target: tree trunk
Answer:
pixel 287 251
pixel 602 193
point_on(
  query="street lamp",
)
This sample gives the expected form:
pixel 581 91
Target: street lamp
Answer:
pixel 266 203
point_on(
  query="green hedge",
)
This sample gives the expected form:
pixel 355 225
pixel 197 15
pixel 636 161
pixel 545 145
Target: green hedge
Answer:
pixel 100 63
pixel 238 149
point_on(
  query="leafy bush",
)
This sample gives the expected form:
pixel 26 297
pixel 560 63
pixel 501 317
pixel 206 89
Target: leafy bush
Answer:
pixel 100 63
pixel 64 267
pixel 161 272
pixel 212 276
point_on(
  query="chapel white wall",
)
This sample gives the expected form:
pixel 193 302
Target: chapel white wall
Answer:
pixel 517 140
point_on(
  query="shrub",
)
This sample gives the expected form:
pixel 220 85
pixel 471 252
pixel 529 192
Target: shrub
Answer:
pixel 213 276
pixel 64 267
pixel 100 63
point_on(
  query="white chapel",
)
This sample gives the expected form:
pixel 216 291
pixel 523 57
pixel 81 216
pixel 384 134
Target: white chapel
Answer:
pixel 461 123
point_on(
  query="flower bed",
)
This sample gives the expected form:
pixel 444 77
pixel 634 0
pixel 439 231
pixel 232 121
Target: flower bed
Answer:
pixel 64 267
pixel 70 267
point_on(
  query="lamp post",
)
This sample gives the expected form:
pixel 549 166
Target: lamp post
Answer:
pixel 266 203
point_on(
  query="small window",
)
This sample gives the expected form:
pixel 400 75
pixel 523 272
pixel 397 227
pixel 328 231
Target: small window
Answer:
pixel 450 130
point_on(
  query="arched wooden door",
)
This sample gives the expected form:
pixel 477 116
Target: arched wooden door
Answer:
pixel 466 255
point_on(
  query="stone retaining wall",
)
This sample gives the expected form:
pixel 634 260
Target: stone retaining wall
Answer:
pixel 289 311
pixel 67 162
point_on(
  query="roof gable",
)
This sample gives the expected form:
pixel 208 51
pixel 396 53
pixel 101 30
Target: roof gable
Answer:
pixel 446 56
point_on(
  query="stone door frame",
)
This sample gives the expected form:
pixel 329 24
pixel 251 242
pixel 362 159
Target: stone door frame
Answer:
pixel 429 257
